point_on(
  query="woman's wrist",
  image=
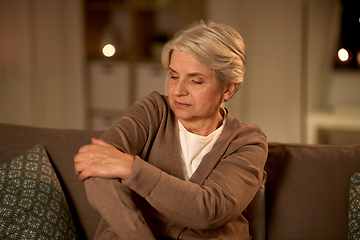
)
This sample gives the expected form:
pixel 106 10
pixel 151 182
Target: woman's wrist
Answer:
pixel 127 170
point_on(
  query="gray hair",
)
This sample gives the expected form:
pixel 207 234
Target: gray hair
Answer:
pixel 216 46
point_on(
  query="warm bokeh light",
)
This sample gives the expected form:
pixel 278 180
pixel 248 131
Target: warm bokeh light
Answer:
pixel 108 50
pixel 358 56
pixel 343 54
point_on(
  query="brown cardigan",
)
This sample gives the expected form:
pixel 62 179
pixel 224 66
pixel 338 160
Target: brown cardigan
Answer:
pixel 210 204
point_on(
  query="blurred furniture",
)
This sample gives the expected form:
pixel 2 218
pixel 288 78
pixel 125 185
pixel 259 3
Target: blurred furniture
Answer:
pixel 339 136
pixel 137 29
pixel 306 192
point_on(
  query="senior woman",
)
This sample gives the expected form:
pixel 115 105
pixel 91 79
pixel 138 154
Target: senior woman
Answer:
pixel 180 166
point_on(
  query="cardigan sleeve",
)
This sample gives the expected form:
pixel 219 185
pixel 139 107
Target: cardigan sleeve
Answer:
pixel 225 191
pixel 222 197
pixel 131 133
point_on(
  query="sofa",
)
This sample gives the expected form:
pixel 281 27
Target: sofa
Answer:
pixel 305 195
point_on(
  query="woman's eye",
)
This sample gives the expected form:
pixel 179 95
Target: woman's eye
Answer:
pixel 171 75
pixel 197 82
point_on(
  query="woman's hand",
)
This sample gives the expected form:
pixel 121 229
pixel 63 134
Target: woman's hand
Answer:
pixel 100 159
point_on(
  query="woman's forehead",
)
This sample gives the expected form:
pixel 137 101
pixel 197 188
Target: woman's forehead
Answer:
pixel 181 61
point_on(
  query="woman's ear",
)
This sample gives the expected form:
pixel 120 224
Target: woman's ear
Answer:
pixel 229 91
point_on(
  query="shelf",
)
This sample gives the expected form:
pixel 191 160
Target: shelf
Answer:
pixel 138 29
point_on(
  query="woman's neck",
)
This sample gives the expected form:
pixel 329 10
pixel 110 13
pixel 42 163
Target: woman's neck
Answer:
pixel 204 127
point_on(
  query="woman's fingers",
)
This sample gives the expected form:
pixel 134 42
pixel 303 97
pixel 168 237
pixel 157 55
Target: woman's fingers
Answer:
pixel 95 142
pixel 100 142
pixel 100 159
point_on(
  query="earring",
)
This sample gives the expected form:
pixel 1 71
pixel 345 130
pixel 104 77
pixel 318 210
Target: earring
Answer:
pixel 225 100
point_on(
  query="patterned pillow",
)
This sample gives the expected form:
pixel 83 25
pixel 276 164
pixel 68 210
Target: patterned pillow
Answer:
pixel 354 207
pixel 32 203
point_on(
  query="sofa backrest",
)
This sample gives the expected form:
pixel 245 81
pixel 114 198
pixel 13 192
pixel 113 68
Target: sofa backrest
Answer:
pixel 307 190
pixel 61 146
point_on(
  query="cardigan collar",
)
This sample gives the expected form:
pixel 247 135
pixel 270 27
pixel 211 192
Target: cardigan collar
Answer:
pixel 212 158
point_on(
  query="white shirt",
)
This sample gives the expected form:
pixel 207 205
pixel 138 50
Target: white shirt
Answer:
pixel 194 147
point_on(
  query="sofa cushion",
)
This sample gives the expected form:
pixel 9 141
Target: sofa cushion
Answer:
pixel 32 203
pixel 307 191
pixel 61 146
pixel 354 207
pixel 255 213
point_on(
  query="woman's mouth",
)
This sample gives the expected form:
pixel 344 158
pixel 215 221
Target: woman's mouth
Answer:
pixel 181 105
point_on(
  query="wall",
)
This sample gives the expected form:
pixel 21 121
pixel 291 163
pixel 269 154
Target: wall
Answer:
pixel 271 93
pixel 289 85
pixel 291 88
pixel 41 63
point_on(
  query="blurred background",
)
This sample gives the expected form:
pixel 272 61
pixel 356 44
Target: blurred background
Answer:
pixel 79 64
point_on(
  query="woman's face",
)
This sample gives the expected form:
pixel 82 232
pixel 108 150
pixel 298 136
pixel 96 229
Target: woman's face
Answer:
pixel 194 93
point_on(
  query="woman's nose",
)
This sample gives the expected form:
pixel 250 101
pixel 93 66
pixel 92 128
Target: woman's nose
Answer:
pixel 180 88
